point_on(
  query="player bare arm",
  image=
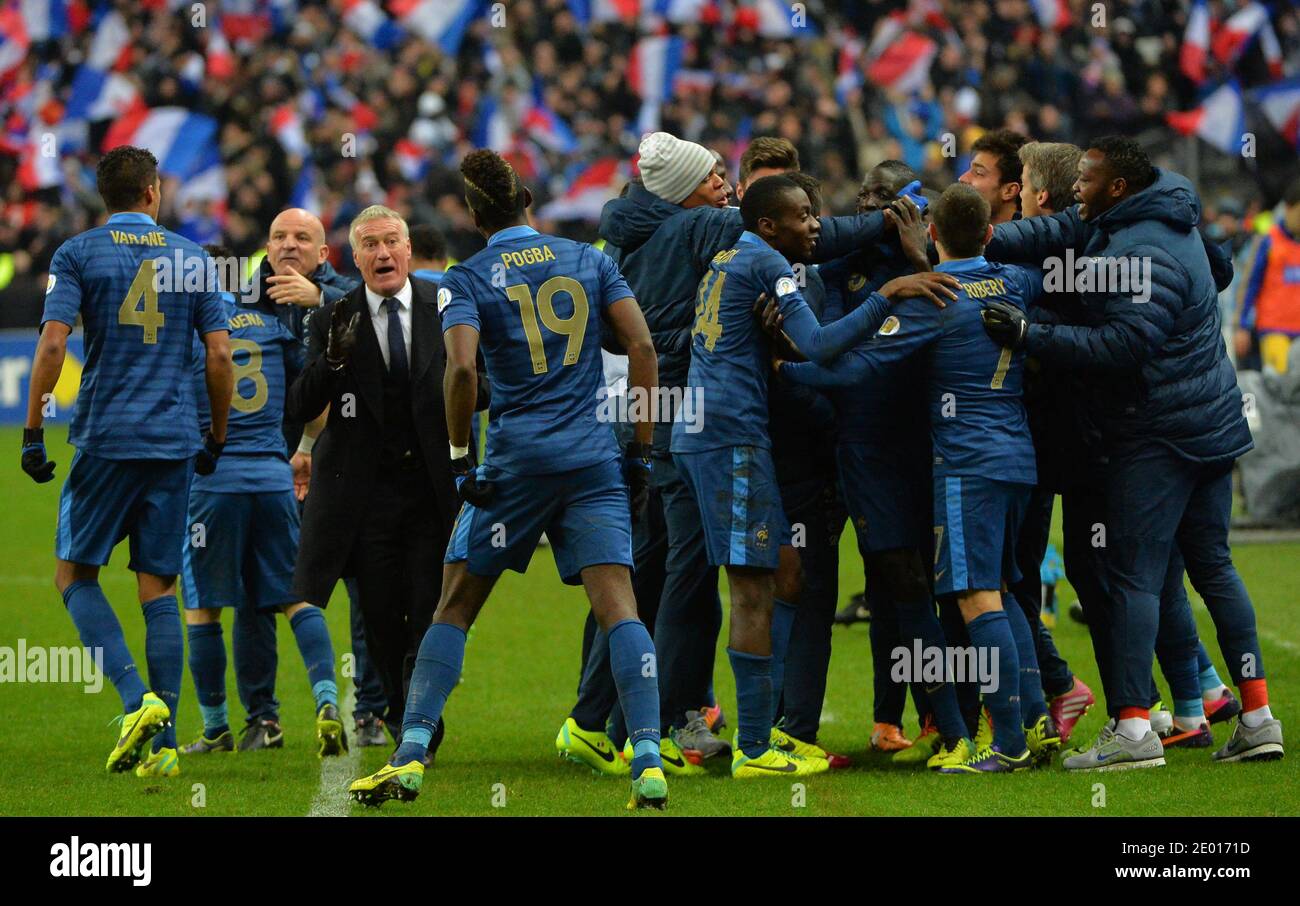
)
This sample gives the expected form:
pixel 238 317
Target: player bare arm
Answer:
pixel 219 373
pixel 47 365
pixel 460 383
pixel 628 324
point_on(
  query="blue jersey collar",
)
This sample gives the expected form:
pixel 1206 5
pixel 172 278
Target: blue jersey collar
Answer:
pixel 747 236
pixel 131 217
pixel 514 232
pixel 960 265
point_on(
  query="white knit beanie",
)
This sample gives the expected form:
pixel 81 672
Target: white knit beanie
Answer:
pixel 672 168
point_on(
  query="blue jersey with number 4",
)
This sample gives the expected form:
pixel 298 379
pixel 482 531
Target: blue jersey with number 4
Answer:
pixel 536 301
pixel 267 358
pixel 730 353
pixel 977 414
pixel 142 292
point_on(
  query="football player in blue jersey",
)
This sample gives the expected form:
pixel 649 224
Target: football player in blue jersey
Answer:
pixel 244 532
pixel 535 303
pixel 983 468
pixel 142 292
pixel 725 458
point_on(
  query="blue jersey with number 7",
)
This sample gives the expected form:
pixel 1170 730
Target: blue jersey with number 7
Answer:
pixel 141 292
pixel 537 301
pixel 977 414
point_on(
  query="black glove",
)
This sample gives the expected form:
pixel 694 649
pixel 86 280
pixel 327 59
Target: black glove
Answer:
pixel 636 472
pixel 472 489
pixel 1005 324
pixel 342 338
pixel 34 462
pixel 206 462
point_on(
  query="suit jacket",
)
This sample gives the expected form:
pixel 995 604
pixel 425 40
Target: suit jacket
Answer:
pixel 346 455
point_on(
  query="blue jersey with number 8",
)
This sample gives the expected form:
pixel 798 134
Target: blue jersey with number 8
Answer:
pixel 537 301
pixel 140 311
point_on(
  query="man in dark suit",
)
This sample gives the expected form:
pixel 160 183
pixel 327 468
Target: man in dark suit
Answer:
pixel 382 497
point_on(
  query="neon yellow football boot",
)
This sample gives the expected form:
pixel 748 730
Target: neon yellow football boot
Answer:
pixel 163 763
pixel 594 750
pixel 674 759
pixel 774 763
pixel 649 791
pixel 138 727
pixel 949 756
pixel 401 782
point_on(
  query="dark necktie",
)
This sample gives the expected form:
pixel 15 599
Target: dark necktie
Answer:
pixel 397 365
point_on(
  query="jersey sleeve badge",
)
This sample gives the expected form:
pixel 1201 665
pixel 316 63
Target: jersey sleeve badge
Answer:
pixel 444 299
pixel 49 284
pixel 889 328
pixel 785 286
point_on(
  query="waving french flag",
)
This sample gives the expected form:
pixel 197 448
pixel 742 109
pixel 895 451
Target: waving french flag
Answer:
pixel 1220 119
pixel 654 63
pixel 14 40
pixel 99 90
pixel 304 194
pixel 38 165
pixel 286 126
pixel 900 58
pixel 778 19
pixel 589 11
pixel 1196 42
pixel 1053 14
pixel 588 193
pixel 370 23
pixel 546 128
pixel 849 69
pixel 441 22
pixel 412 159
pixel 1237 32
pixel 184 142
pixel 1280 103
pixel 46 19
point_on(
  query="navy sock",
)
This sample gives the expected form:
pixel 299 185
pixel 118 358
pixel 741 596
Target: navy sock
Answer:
pixel 99 629
pixel 992 632
pixel 753 701
pixel 165 653
pixel 630 654
pixel 917 620
pixel 1033 704
pixel 208 667
pixel 437 671
pixel 313 639
pixel 783 613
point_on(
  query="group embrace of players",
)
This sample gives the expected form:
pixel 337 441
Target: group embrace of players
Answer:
pixel 902 367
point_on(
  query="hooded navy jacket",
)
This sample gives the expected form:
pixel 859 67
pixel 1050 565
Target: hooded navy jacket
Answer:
pixel 1159 367
pixel 664 250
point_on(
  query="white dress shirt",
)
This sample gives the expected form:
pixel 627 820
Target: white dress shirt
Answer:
pixel 379 318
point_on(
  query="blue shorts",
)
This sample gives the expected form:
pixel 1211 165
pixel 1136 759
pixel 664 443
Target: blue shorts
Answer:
pixel 240 548
pixel 740 504
pixel 976 523
pixel 584 512
pixel 106 500
pixel 886 492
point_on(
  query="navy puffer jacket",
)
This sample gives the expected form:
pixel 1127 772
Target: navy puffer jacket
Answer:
pixel 1159 367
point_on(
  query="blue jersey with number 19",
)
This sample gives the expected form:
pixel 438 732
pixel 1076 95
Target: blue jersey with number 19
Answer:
pixel 136 399
pixel 536 301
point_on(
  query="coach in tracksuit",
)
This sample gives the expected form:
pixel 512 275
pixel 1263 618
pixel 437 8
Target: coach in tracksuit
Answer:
pixel 1171 422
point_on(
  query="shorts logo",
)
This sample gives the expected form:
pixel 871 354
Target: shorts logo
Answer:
pixel 762 537
pixel 785 286
pixel 889 328
pixel 444 298
pixel 49 284
pixel 856 282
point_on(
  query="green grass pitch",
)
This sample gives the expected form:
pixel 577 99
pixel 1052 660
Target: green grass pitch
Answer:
pixel 520 676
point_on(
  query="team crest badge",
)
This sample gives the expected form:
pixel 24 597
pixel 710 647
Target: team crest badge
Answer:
pixel 890 327
pixel 856 282
pixel 762 537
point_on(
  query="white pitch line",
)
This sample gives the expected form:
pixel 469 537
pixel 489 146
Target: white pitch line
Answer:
pixel 1275 639
pixel 336 773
